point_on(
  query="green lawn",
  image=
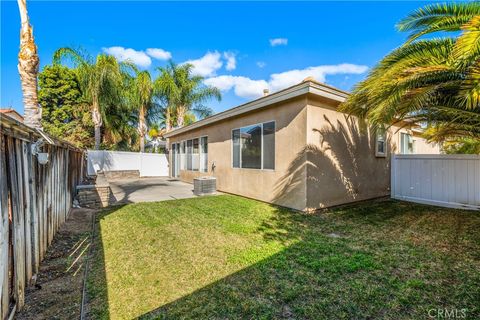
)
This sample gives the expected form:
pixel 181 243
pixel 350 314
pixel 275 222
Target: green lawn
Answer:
pixel 227 257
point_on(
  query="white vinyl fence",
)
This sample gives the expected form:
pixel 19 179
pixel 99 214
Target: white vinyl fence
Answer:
pixel 444 180
pixel 149 164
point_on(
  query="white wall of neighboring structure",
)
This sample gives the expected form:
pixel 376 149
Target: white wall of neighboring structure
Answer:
pixel 148 164
pixel 420 144
pixel 444 180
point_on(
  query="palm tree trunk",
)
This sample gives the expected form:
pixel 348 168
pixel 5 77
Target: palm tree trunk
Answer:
pixel 98 134
pixel 97 122
pixel 28 62
pixel 142 143
pixel 180 116
pixel 142 128
pixel 168 119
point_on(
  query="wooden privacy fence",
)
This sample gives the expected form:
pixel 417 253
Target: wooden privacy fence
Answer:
pixel 444 180
pixel 34 201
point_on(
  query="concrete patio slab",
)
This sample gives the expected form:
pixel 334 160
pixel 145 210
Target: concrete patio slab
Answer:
pixel 149 189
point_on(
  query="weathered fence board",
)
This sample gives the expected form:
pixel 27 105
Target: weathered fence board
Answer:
pixel 34 202
pixel 444 180
pixel 4 233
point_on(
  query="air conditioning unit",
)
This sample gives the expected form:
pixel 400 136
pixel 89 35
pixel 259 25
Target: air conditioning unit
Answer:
pixel 204 186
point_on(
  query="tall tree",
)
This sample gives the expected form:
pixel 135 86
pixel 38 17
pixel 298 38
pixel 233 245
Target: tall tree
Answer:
pixel 28 63
pixel 434 81
pixel 64 113
pixel 101 80
pixel 183 92
pixel 143 100
pixel 120 127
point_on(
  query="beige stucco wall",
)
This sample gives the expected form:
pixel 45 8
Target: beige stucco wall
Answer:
pixel 342 165
pixel 266 185
pixel 322 157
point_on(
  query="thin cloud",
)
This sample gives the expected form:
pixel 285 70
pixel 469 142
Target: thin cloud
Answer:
pixel 159 53
pixel 249 88
pixel 285 79
pixel 231 59
pixel 207 65
pixel 243 87
pixel 139 58
pixel 278 42
pixel 261 64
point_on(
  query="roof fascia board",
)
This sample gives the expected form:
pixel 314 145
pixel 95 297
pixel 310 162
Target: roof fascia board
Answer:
pixel 283 95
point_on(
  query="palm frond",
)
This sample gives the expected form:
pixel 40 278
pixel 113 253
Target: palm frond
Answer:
pixel 438 17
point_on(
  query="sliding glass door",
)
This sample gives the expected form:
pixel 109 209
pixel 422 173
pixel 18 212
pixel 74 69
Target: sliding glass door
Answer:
pixel 175 160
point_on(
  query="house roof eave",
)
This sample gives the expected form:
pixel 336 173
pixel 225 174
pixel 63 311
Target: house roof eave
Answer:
pixel 297 90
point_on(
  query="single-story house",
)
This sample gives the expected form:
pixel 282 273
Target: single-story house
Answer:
pixel 293 148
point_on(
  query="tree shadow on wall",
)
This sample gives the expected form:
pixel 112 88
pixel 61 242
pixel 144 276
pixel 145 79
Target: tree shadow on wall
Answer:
pixel 340 166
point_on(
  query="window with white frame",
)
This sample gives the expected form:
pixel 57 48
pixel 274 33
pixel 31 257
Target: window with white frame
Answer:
pixel 253 147
pixel 183 163
pixel 381 143
pixel 407 144
pixel 189 154
pixel 196 154
pixel 204 154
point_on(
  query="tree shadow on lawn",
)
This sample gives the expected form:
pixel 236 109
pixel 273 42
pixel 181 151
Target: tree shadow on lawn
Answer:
pixel 378 259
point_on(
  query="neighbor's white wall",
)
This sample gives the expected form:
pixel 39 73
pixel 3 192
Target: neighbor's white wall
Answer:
pixel 149 164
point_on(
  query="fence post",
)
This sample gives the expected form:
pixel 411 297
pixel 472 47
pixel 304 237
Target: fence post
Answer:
pixel 4 233
pixel 393 171
pixel 27 205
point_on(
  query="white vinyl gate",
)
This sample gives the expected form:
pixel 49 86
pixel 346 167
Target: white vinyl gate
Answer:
pixel 444 180
pixel 149 164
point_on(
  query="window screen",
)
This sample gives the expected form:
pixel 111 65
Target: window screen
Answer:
pixel 189 154
pixel 251 146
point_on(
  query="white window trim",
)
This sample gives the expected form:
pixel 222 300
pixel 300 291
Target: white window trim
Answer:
pixel 176 154
pixel 183 161
pixel 199 152
pixel 385 145
pixel 261 147
pixel 400 141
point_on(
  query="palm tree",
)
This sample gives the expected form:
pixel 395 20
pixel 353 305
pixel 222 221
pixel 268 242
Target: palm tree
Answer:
pixel 28 63
pixel 101 81
pixel 433 81
pixel 182 92
pixel 156 134
pixel 119 126
pixel 143 100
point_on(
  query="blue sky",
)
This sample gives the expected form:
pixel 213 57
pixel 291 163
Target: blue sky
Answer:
pixel 241 47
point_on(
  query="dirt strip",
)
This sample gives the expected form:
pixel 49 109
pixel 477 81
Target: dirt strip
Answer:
pixel 57 293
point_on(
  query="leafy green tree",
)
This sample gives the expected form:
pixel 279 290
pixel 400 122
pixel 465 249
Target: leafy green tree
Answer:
pixel 433 81
pixel 64 113
pixel 182 93
pixel 102 81
pixel 463 146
